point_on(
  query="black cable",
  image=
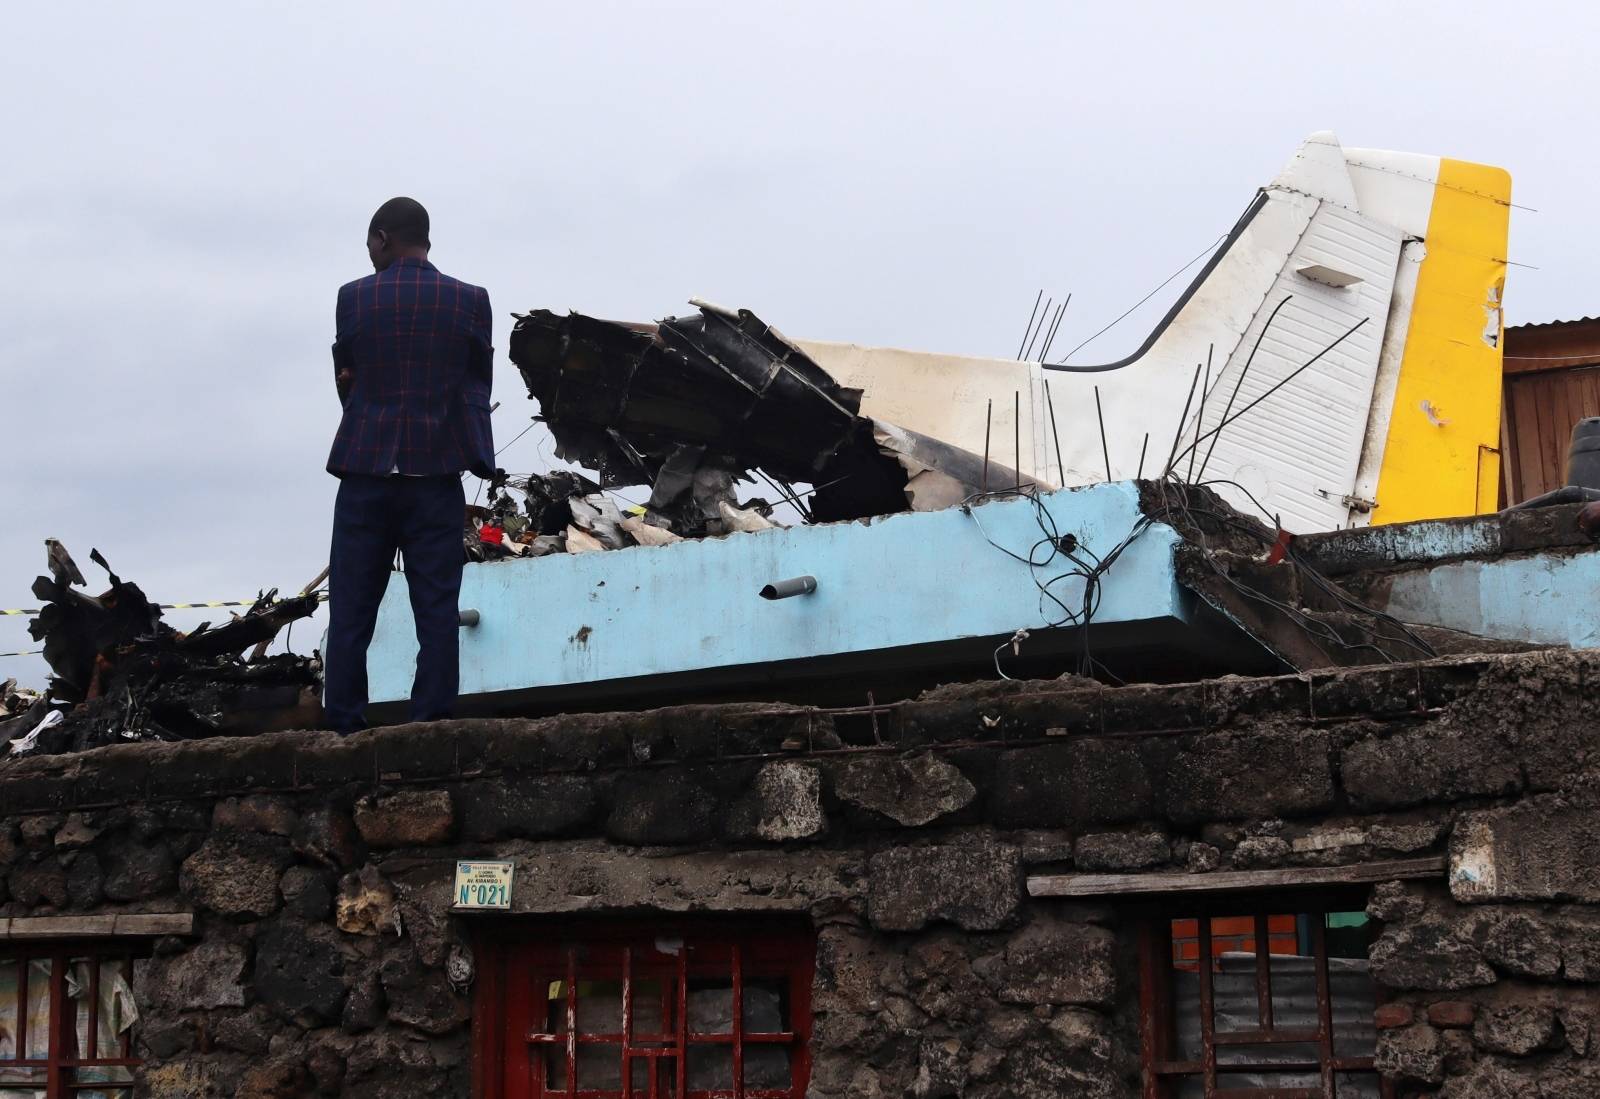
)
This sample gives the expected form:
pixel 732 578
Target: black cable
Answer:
pixel 1051 338
pixel 1245 370
pixel 1172 455
pixel 1029 330
pixel 1348 332
pixel 1087 566
pixel 1228 240
pixel 1037 332
pixel 1123 316
pixel 1307 571
pixel 1318 630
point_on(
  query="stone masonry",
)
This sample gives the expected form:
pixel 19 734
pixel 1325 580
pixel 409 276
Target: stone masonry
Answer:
pixel 327 960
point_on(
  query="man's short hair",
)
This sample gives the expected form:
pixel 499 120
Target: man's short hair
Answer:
pixel 404 220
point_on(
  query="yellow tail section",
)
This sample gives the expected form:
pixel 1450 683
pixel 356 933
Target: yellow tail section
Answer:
pixel 1442 456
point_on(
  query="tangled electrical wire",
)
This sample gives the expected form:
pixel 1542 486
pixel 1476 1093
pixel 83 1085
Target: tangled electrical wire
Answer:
pixel 1322 632
pixel 1090 568
pixel 1058 607
pixel 1064 605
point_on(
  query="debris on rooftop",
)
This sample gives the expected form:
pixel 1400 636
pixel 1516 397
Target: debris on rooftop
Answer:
pixel 121 673
pixel 1260 578
pixel 566 512
pixel 694 405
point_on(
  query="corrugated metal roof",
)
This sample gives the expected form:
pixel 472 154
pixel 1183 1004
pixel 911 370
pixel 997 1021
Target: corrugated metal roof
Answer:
pixel 1551 324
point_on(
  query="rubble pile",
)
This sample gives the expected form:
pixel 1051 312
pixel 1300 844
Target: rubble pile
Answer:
pixel 120 673
pixel 566 512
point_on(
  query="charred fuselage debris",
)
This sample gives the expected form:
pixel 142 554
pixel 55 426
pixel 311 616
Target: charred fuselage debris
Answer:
pixel 121 673
pixel 692 404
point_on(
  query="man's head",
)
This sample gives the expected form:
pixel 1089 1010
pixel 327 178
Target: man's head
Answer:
pixel 399 230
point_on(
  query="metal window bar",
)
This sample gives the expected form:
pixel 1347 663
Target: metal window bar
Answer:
pixel 738 1024
pixel 1155 1001
pixel 675 1041
pixel 627 1030
pixel 23 965
pixel 1319 951
pixel 572 1021
pixel 93 1030
pixel 683 1020
pixel 1159 1007
pixel 1208 1015
pixel 1263 974
pixel 63 1059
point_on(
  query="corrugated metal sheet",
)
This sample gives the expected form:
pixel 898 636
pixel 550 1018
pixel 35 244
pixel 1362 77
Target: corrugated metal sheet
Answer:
pixel 1294 1006
pixel 1549 324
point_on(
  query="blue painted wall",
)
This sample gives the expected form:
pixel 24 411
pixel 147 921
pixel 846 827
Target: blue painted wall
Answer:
pixel 899 580
pixel 1543 598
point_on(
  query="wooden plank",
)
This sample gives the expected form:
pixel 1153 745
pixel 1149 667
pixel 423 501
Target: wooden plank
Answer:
pixel 1552 452
pixel 1591 390
pixel 1561 386
pixel 155 923
pixel 1580 400
pixel 1098 885
pixel 1538 424
pixel 59 927
pixel 1510 451
pixel 1549 455
pixel 106 926
pixel 1530 440
pixel 1546 475
pixel 1525 440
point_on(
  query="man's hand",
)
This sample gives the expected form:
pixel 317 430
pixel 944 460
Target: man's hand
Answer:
pixel 341 382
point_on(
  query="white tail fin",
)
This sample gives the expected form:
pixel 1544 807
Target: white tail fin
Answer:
pixel 1351 323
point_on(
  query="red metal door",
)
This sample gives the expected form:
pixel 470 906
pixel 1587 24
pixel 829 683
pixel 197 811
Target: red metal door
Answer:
pixel 642 1011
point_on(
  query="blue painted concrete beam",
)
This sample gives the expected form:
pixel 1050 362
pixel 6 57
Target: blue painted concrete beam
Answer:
pixel 895 582
pixel 1543 599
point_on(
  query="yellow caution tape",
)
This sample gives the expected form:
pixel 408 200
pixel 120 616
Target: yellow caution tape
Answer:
pixel 221 603
pixel 163 606
pixel 176 606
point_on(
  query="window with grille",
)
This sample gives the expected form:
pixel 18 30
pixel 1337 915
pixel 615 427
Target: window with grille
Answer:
pixel 66 1021
pixel 679 1012
pixel 1272 1002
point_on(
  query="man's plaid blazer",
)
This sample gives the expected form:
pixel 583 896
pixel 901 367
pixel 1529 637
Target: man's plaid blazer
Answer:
pixel 418 351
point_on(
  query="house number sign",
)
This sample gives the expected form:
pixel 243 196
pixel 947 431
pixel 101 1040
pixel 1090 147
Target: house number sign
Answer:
pixel 483 884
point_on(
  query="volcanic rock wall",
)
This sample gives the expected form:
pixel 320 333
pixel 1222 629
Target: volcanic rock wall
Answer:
pixel 326 959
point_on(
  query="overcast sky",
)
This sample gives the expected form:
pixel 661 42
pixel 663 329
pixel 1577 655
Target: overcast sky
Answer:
pixel 185 186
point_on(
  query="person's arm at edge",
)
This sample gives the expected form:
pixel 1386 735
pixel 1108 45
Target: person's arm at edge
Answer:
pixel 343 361
pixel 483 367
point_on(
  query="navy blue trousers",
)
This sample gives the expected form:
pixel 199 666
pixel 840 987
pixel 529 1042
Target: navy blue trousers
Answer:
pixel 422 518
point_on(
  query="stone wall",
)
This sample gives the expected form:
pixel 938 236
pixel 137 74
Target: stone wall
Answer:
pixel 327 961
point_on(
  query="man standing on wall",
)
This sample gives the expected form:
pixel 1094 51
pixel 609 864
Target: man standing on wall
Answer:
pixel 413 364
